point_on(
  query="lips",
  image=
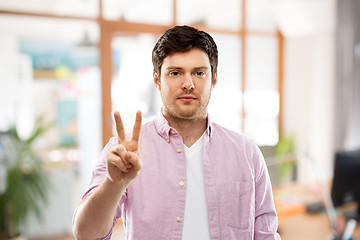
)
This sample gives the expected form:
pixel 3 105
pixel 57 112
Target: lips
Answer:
pixel 187 98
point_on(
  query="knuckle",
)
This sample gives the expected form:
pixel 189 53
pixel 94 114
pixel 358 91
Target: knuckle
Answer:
pixel 119 164
pixel 123 168
pixel 117 148
pixel 110 156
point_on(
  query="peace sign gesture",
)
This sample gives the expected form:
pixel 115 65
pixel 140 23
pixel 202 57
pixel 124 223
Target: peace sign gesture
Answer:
pixel 123 161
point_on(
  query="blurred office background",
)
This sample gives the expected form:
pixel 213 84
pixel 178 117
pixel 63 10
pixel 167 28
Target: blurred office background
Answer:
pixel 288 72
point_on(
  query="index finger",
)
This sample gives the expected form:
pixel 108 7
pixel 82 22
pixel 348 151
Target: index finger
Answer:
pixel 119 126
pixel 137 127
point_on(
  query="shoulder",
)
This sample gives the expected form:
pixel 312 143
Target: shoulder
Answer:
pixel 241 153
pixel 225 134
pixel 148 128
pixel 244 148
pixel 148 132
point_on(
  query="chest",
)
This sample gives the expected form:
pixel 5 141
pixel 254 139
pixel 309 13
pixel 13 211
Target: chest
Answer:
pixel 166 164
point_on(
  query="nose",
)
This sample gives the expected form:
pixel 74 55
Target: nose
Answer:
pixel 188 83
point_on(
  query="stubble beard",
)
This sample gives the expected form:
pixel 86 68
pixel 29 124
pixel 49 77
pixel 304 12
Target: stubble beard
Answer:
pixel 176 114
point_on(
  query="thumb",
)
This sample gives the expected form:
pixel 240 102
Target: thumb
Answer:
pixel 134 160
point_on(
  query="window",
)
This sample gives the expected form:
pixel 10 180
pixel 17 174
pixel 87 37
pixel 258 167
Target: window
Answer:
pixel 249 60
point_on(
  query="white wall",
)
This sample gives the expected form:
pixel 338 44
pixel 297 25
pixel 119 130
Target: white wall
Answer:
pixel 309 94
pixel 309 99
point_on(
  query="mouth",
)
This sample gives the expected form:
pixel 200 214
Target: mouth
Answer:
pixel 187 98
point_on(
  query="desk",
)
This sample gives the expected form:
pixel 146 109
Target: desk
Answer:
pixel 294 222
pixel 308 227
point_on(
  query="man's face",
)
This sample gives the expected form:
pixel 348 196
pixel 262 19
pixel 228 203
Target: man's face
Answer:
pixel 185 84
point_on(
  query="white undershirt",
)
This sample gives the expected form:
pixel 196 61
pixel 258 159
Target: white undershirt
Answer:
pixel 195 219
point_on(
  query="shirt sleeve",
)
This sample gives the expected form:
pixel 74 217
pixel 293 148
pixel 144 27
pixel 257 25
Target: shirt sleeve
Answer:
pixel 98 176
pixel 266 222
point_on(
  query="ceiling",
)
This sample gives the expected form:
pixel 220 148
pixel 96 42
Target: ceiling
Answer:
pixel 294 18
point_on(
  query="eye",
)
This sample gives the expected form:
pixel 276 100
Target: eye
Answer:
pixel 199 74
pixel 174 73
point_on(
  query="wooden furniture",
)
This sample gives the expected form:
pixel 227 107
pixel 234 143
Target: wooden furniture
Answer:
pixel 308 226
pixel 295 223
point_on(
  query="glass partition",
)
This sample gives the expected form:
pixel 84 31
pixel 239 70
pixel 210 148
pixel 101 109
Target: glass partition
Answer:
pixel 132 85
pixel 225 106
pixel 139 11
pixel 79 8
pixel 261 98
pixel 259 15
pixel 49 69
pixel 206 12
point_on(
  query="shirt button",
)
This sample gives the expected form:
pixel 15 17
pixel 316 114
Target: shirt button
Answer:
pixel 172 132
pixel 178 219
pixel 166 137
pixel 179 150
pixel 181 184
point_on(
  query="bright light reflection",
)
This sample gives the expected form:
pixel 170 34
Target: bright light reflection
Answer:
pixel 56 155
pixel 133 87
pixel 262 110
pixel 262 103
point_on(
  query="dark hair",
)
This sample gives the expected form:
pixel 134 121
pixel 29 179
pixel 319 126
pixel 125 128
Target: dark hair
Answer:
pixel 183 39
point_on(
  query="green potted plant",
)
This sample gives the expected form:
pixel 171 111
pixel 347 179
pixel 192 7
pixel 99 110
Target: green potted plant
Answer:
pixel 286 149
pixel 26 183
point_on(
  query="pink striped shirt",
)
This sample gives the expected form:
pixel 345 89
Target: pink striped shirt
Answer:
pixel 238 190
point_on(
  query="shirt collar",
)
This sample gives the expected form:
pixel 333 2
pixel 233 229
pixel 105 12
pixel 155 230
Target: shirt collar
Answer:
pixel 164 130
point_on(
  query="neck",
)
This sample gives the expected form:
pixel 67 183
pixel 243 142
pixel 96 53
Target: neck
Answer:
pixel 189 129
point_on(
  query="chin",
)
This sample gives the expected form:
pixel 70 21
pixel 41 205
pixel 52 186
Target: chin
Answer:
pixel 185 115
pixel 190 115
pixel 186 112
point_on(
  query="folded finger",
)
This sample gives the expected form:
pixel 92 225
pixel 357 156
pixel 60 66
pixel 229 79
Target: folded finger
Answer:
pixel 121 152
pixel 134 160
pixel 116 160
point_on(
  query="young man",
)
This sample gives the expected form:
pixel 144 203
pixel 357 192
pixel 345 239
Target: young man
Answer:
pixel 180 176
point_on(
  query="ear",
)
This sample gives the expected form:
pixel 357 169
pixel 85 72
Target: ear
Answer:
pixel 214 81
pixel 157 81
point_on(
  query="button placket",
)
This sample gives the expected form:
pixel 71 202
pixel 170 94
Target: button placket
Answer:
pixel 178 149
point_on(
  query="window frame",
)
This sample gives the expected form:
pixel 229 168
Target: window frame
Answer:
pixel 109 29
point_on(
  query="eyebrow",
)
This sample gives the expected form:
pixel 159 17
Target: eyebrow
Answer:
pixel 180 68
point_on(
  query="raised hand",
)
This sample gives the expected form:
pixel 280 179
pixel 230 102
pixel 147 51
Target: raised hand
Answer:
pixel 123 161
